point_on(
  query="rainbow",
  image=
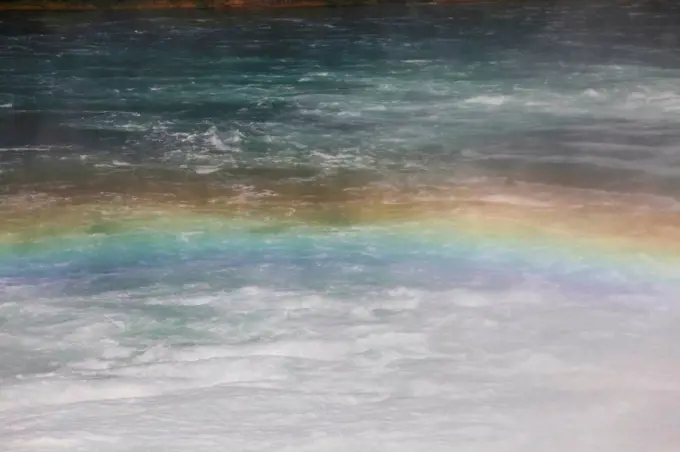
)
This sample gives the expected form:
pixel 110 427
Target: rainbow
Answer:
pixel 525 228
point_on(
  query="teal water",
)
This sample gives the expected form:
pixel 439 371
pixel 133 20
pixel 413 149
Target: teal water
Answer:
pixel 541 93
pixel 334 336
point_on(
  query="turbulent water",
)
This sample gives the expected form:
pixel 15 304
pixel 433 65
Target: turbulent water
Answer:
pixel 432 228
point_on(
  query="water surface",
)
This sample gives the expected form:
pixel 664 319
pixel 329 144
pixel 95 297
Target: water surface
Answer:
pixel 408 228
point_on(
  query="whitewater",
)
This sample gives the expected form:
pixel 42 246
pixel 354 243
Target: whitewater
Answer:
pixel 432 228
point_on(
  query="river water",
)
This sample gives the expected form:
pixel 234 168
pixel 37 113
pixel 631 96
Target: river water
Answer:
pixel 441 228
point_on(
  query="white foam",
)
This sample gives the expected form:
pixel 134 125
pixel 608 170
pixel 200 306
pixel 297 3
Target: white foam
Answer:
pixel 528 369
pixel 206 169
pixel 228 143
pixel 489 100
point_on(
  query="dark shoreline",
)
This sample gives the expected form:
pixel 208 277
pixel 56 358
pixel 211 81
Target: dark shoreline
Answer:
pixel 98 5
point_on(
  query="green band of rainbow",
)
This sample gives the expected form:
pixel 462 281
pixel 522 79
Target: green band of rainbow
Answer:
pixel 559 234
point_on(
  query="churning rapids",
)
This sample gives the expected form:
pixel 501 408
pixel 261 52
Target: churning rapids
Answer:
pixel 431 228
